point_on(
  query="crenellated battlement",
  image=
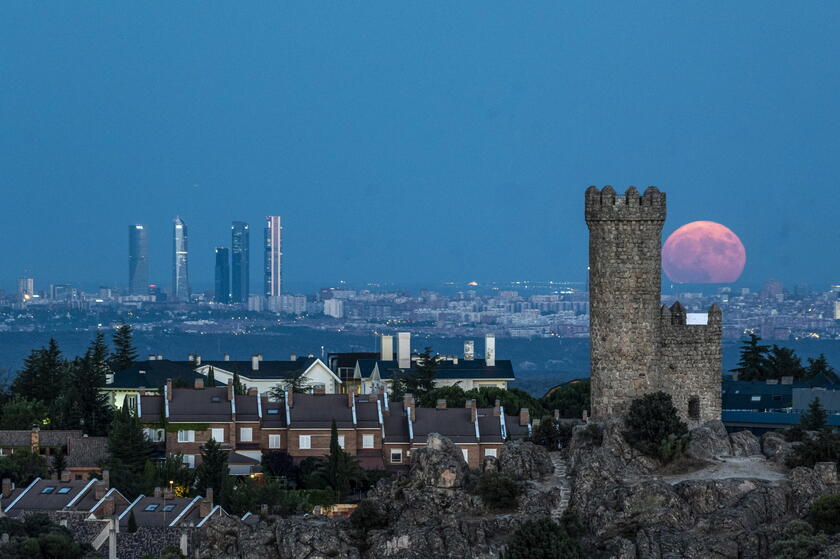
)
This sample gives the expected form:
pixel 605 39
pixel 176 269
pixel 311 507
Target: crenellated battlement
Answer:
pixel 676 315
pixel 607 205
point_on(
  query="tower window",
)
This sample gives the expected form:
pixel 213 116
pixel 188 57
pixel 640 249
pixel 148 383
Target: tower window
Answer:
pixel 694 407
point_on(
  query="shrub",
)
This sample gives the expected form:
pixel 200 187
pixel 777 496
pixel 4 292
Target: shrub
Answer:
pixel 651 422
pixel 799 542
pixel 498 491
pixel 825 447
pixel 592 434
pixel 545 539
pixel 368 516
pixel 548 434
pixel 794 435
pixel 825 514
pixel 815 418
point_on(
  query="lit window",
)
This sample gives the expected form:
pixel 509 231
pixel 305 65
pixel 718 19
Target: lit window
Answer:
pixel 396 456
pixel 490 452
pixel 168 508
pixel 367 441
pixel 466 453
pixel 274 441
pixel 341 441
pixel 48 490
pixel 151 508
pixel 756 398
pixel 274 411
pixel 305 442
pixel 246 434
pixel 64 491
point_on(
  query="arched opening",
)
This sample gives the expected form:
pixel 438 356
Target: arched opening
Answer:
pixel 694 407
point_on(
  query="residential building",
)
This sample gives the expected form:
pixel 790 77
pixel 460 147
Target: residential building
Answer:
pixel 222 269
pixel 180 261
pixel 26 289
pixel 83 454
pixel 265 375
pixel 334 308
pixel 240 262
pixel 148 377
pixel 138 259
pixel 273 256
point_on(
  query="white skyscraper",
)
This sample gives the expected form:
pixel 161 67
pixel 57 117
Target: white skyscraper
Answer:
pixel 273 256
pixel 180 253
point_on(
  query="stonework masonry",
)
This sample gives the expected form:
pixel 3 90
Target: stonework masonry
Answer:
pixel 638 346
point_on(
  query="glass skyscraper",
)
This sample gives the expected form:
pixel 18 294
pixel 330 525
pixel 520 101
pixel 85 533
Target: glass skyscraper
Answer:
pixel 180 254
pixel 222 275
pixel 273 255
pixel 138 259
pixel 240 242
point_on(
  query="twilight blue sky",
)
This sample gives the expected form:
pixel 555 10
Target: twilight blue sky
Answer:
pixel 412 142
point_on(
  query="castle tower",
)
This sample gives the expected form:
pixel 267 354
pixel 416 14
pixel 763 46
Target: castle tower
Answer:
pixel 625 241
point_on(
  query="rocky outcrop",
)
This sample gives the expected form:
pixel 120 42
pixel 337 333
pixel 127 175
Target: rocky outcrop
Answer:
pixel 709 441
pixel 775 447
pixel 744 443
pixel 440 464
pixel 525 460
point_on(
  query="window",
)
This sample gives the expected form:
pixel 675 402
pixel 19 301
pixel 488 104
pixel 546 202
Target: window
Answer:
pixel 341 441
pixel 490 452
pixel 48 490
pixel 396 456
pixel 168 508
pixel 151 508
pixel 215 399
pixel 274 441
pixel 367 441
pixel 189 460
pixel 217 435
pixel 64 491
pixel 694 407
pixel 466 453
pixel 756 398
pixel 246 434
pixel 273 411
pixel 186 436
pixel 305 442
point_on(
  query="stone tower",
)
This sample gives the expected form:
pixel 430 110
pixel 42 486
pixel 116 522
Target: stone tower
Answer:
pixel 636 345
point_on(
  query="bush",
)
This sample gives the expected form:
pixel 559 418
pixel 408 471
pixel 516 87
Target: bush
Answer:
pixel 592 434
pixel 571 399
pixel 825 447
pixel 498 491
pixel 654 427
pixel 368 516
pixel 825 514
pixel 547 434
pixel 794 435
pixel 545 539
pixel 799 542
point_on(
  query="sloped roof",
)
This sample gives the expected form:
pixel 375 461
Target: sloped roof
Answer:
pixel 476 369
pixel 268 370
pixel 317 411
pixel 209 405
pixel 155 375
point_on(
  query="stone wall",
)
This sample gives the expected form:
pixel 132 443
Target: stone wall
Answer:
pixel 149 541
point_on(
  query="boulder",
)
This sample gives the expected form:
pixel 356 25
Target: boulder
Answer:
pixel 440 464
pixel 709 441
pixel 525 460
pixel 775 447
pixel 744 443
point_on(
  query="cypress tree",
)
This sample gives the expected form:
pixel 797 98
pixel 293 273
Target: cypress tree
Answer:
pixel 340 469
pixel 132 522
pixel 211 377
pixel 213 470
pixel 125 354
pixel 129 450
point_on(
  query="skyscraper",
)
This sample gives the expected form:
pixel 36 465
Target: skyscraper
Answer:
pixel 273 255
pixel 240 243
pixel 138 259
pixel 180 272
pixel 222 275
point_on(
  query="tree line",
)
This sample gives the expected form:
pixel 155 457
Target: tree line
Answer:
pixel 760 362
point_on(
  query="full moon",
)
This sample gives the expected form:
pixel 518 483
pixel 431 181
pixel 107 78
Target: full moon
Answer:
pixel 703 252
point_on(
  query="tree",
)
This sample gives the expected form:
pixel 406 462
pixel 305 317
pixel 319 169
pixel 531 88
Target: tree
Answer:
pixel 783 362
pixel 294 381
pixel 36 537
pixel 22 466
pixel 454 395
pixel 59 462
pixel 512 400
pixel 125 354
pixel 213 470
pixel 132 522
pixel 652 422
pixel 498 490
pixel 571 399
pixel 170 470
pixel 211 376
pixel 340 470
pixel 825 447
pixel 280 464
pixel 753 363
pixel 43 375
pixel 815 418
pixel 542 538
pixel 420 380
pixel 820 366
pixel 129 449
pixel 86 407
pixel 798 542
pixel 825 514
pixel 550 434
pixel 238 387
pixel 21 413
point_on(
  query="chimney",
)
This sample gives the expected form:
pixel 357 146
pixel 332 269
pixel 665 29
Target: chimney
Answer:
pixel 293 357
pixel 227 357
pixel 252 391
pixel 408 403
pixel 168 493
pixel 206 504
pixel 190 357
pixel 441 404
pixel 404 350
pixel 260 356
pixel 65 476
pixel 197 360
pixel 255 362
pixel 199 384
pixel 536 422
pixel 386 348
pixel 99 490
pixel 35 439
pixel 497 408
pixel 524 416
pixel 109 507
pixel 106 478
pixel 7 487
pixel 490 350
pixel 230 389
pixel 152 357
pixel 556 415
pixel 158 493
pixel 169 389
pixel 473 410
pixel 469 350
pixel 350 394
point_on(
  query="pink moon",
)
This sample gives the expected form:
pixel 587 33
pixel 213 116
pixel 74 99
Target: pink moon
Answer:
pixel 703 252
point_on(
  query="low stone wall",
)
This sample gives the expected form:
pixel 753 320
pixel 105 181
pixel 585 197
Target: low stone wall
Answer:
pixel 149 541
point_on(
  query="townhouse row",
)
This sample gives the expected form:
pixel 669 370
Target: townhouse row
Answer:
pixel 381 433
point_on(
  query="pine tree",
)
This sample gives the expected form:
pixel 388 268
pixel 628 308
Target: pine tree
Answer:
pixel 815 418
pixel 58 463
pixel 42 376
pixel 88 376
pixel 238 387
pixel 820 366
pixel 783 362
pixel 125 354
pixel 213 470
pixel 753 363
pixel 421 379
pixel 340 470
pixel 129 450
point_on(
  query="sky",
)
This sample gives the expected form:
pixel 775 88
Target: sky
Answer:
pixel 411 142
